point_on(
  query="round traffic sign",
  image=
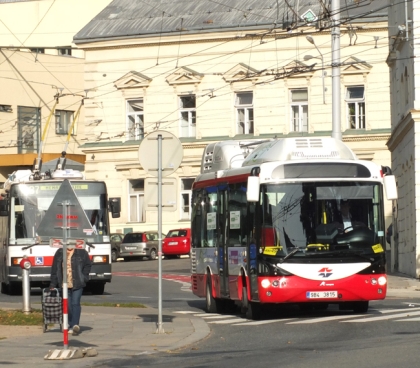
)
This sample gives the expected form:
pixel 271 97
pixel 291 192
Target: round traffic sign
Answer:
pixel 172 153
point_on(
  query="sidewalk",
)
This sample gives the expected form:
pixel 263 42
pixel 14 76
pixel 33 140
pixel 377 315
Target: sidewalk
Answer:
pixel 118 333
pixel 115 333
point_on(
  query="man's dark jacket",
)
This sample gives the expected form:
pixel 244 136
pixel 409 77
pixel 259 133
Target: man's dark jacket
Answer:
pixel 80 267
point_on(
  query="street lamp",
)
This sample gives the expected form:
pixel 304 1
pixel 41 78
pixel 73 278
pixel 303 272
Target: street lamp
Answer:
pixel 310 39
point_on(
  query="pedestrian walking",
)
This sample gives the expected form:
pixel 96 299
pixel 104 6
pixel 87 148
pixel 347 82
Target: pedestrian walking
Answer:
pixel 77 268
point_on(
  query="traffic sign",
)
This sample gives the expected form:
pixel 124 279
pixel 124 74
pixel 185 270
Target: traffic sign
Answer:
pixel 171 154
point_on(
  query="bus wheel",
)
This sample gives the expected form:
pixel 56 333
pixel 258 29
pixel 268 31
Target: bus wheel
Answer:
pixel 361 307
pixel 244 304
pixel 213 305
pixel 97 288
pixel 253 311
pixel 4 288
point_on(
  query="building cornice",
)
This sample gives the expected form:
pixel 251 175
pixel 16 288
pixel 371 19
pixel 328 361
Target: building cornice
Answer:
pixel 141 42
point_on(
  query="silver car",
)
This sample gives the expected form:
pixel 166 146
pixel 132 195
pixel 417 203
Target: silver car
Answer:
pixel 140 244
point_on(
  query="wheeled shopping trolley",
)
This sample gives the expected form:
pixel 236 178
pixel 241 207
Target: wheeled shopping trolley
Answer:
pixel 52 308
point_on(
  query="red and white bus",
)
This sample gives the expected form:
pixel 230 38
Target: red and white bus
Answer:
pixel 32 222
pixel 267 226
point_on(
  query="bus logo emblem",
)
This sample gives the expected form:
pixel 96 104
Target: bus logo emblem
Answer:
pixel 39 261
pixel 325 272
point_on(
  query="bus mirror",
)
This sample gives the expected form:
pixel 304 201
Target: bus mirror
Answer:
pixel 115 207
pixel 253 189
pixel 390 186
pixel 3 208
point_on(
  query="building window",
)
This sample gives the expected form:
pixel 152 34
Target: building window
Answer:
pixel 38 51
pixel 6 108
pixel 136 201
pixel 299 109
pixel 355 100
pixel 63 121
pixel 187 111
pixel 244 113
pixel 135 119
pixel 186 186
pixel 64 51
pixel 29 123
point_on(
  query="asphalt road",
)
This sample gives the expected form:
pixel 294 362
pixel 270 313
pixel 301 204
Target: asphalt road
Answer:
pixel 388 336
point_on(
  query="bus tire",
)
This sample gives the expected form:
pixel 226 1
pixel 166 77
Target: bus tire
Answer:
pixel 15 288
pixel 4 288
pixel 254 311
pixel 213 305
pixel 244 301
pixel 360 307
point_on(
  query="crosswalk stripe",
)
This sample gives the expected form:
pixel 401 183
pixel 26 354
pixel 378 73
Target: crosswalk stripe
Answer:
pixel 415 319
pixel 218 316
pixel 380 318
pixel 324 319
pixel 225 322
pixel 256 323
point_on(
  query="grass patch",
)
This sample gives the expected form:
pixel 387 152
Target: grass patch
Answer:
pixel 114 305
pixel 18 318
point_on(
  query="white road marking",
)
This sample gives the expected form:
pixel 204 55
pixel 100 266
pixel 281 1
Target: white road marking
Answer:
pixel 324 319
pixel 225 322
pixel 256 323
pixel 408 313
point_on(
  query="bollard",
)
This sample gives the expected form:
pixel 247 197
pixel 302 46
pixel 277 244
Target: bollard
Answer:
pixel 25 264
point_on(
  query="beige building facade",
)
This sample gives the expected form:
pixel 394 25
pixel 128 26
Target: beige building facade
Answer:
pixel 42 82
pixel 404 142
pixel 246 83
pixel 203 73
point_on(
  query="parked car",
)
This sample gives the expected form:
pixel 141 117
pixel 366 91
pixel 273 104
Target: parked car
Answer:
pixel 140 244
pixel 116 240
pixel 177 243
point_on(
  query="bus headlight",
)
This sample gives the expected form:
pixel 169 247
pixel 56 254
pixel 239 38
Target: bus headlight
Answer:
pixel 100 259
pixel 382 280
pixel 265 283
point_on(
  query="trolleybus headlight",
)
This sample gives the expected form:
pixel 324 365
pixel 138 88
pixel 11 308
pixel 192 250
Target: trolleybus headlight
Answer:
pixel 100 259
pixel 265 283
pixel 382 280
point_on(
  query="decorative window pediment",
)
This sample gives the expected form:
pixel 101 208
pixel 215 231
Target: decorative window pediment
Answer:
pixel 184 75
pixel 132 80
pixel 241 72
pixel 297 69
pixel 353 65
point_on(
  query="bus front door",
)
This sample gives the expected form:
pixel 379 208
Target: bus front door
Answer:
pixel 222 247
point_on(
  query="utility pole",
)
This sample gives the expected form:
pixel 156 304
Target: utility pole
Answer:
pixel 336 72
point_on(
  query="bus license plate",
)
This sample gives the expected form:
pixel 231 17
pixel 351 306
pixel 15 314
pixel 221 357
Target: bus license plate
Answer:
pixel 173 243
pixel 321 294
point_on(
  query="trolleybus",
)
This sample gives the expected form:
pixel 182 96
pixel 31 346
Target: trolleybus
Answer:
pixel 31 225
pixel 267 226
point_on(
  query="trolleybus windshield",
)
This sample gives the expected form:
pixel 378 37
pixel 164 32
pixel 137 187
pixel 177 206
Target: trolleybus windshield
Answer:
pixel 31 202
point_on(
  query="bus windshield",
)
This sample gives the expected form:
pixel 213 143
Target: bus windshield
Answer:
pixel 325 216
pixel 34 211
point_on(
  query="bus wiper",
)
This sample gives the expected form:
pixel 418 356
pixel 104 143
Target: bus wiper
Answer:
pixel 291 254
pixel 29 246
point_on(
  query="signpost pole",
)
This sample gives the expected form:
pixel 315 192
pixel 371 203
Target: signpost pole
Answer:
pixel 159 139
pixel 65 288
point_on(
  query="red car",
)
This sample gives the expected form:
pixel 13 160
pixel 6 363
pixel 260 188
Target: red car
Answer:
pixel 177 243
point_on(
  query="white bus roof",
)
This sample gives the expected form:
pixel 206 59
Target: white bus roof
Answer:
pixel 234 154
